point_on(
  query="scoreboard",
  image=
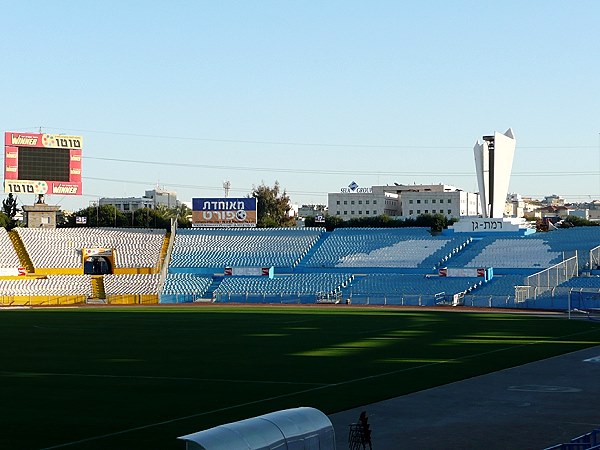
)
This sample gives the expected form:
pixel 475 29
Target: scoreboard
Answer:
pixel 42 164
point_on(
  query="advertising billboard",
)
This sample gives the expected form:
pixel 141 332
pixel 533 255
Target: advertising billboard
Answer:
pixel 224 212
pixel 466 272
pixel 42 163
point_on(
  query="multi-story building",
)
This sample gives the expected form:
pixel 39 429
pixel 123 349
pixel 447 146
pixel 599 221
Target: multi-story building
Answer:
pixel 451 204
pixel 362 202
pixel 553 200
pixel 152 199
pixel 406 201
pixel 311 210
pixel 518 206
pixel 160 197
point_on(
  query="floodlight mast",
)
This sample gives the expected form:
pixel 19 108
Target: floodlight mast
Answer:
pixel 226 187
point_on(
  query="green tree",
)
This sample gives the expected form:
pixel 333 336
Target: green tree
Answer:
pixel 100 216
pixel 5 221
pixel 331 222
pixel 184 216
pixel 9 206
pixel 580 222
pixel 273 206
pixel 151 218
pixel 182 213
pixel 435 222
pixel 10 210
pixel 109 216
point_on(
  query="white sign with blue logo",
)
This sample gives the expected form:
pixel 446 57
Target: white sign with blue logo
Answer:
pixel 354 189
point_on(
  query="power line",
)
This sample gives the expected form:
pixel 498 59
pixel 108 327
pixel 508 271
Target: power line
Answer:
pixel 292 143
pixel 329 172
pixel 193 186
pixel 259 169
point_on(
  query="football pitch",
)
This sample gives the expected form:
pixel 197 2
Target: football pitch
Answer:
pixel 136 378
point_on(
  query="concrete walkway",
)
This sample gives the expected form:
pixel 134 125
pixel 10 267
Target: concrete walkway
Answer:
pixel 532 407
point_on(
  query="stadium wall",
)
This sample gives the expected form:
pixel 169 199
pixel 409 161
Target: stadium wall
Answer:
pixel 133 270
pixel 80 271
pixel 41 300
pixel 130 299
pixel 58 271
pixel 368 270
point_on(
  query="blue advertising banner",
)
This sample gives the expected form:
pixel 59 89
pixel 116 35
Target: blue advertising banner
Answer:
pixel 224 212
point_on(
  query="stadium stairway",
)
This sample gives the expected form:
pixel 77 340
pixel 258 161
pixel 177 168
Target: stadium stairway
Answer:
pixel 301 265
pixel 163 250
pixel 449 259
pixel 98 291
pixel 216 281
pixel 436 259
pixel 21 252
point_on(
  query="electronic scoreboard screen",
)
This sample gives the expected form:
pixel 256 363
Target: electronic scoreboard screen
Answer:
pixel 42 164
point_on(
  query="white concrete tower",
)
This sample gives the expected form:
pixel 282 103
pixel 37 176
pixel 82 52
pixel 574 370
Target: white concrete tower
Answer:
pixel 493 163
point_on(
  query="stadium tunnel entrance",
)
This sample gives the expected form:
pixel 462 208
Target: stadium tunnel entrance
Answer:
pixel 97 265
pixel 98 260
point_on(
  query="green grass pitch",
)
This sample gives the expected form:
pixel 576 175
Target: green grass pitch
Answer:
pixel 133 378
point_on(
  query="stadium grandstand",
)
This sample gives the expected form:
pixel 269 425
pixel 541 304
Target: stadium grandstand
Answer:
pixel 391 266
pixel 44 266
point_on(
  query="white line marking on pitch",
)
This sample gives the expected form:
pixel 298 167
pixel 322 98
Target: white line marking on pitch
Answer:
pixel 147 377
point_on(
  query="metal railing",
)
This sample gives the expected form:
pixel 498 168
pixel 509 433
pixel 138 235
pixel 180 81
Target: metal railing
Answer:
pixel 546 280
pixel 167 258
pixel 594 261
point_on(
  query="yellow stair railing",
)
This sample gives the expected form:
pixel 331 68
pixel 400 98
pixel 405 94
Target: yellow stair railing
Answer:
pixel 21 251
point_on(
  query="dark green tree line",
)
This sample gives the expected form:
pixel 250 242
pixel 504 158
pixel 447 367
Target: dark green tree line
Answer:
pixel 435 222
pixel 109 216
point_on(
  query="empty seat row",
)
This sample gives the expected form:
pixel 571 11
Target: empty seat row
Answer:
pixel 186 284
pixel 291 284
pixel 387 247
pixel 62 248
pixel 131 284
pixel 8 255
pixel 51 285
pixel 279 247
pixel 395 284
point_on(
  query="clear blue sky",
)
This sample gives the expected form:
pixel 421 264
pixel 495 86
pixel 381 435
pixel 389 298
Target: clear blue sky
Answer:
pixel 314 94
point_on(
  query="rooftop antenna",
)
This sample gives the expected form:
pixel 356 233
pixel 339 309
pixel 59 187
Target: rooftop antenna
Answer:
pixel 226 187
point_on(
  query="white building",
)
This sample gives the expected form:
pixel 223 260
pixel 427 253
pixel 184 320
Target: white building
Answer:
pixel 161 197
pixel 362 202
pixel 444 199
pixel 311 210
pixel 407 201
pixel 553 200
pixel 152 199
